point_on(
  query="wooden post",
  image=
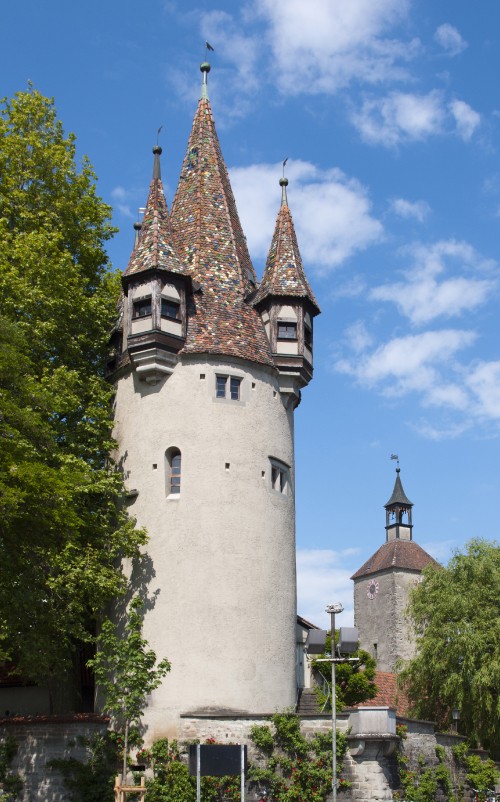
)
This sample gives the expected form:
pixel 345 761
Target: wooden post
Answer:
pixel 121 791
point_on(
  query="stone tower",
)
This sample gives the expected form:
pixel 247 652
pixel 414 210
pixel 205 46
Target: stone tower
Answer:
pixel 208 371
pixel 382 586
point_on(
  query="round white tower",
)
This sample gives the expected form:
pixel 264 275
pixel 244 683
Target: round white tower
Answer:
pixel 208 372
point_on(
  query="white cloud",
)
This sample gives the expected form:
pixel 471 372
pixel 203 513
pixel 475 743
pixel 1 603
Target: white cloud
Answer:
pixel 323 45
pixel 450 39
pixel 466 118
pixel 484 383
pixel 332 213
pixel 359 337
pixel 400 117
pixel 422 297
pixel 410 364
pixel 323 577
pixel 417 210
pixel 120 196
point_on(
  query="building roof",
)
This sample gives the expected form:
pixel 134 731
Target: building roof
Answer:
pixel 284 273
pixel 399 496
pixel 403 554
pixel 155 248
pixel 212 247
pixel 389 694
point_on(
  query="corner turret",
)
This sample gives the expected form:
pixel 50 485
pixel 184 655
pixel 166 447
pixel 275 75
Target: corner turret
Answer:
pixel 286 302
pixel 154 286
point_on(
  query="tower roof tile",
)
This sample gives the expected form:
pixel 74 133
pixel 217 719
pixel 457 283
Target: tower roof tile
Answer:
pixel 405 554
pixel 212 247
pixel 284 273
pixel 155 248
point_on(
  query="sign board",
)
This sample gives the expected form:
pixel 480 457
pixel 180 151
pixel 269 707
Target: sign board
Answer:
pixel 217 760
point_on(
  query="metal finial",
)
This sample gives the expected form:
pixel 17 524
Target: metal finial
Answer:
pixel 395 456
pixel 137 229
pixel 156 166
pixel 158 133
pixel 205 69
pixel 283 185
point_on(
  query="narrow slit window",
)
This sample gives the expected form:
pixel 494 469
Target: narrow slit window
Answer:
pixel 174 462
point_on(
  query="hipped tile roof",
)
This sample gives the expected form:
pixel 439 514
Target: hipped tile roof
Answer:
pixel 389 694
pixel 284 273
pixel 155 248
pixel 211 244
pixel 404 554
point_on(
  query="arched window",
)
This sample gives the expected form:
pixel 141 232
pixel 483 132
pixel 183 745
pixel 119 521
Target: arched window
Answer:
pixel 173 466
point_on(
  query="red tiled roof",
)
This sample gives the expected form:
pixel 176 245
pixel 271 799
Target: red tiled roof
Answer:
pixel 389 694
pixel 155 248
pixel 396 554
pixel 211 244
pixel 284 273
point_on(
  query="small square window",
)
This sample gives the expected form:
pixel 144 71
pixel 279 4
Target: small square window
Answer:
pixel 228 387
pixel 141 308
pixel 287 331
pixel 170 309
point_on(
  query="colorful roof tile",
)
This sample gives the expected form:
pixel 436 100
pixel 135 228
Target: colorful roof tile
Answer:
pixel 389 694
pixel 405 554
pixel 155 248
pixel 212 247
pixel 284 273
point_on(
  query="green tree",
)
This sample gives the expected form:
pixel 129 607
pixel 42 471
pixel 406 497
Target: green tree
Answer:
pixel 61 529
pixel 355 682
pixel 456 615
pixel 126 672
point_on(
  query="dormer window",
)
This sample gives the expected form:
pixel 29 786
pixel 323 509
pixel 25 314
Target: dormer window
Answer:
pixel 287 331
pixel 142 308
pixel 170 309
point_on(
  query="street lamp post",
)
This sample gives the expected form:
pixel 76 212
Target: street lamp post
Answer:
pixel 334 609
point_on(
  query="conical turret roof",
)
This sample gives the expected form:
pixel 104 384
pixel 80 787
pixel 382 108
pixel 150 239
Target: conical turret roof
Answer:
pixel 284 273
pixel 212 247
pixel 155 248
pixel 398 494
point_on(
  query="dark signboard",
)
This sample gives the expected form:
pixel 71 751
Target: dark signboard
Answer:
pixel 217 760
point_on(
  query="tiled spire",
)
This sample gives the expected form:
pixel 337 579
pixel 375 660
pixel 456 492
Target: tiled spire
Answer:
pixel 284 273
pixel 399 497
pixel 212 247
pixel 154 247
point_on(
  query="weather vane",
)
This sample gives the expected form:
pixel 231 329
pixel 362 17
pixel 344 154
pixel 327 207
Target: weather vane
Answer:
pixel 395 456
pixel 158 133
pixel 208 47
pixel 284 166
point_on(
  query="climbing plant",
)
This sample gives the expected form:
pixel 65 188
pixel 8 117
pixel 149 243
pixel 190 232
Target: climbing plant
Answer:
pixel 481 775
pixel 291 767
pixel 10 783
pixel 422 782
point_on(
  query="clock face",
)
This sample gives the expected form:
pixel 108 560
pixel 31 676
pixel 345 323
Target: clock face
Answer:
pixel 372 589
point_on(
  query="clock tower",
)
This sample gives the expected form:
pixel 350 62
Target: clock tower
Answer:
pixel 382 586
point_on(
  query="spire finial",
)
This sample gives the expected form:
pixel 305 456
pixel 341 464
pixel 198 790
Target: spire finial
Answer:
pixel 283 185
pixel 137 229
pixel 205 69
pixel 157 151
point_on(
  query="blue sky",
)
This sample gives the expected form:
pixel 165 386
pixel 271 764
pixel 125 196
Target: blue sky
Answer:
pixel 389 114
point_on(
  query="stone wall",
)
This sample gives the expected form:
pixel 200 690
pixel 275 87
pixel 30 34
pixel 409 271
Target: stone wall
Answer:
pixel 370 765
pixel 42 739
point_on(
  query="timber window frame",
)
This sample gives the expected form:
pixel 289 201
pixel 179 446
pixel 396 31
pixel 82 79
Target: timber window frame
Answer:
pixel 173 465
pixel 228 387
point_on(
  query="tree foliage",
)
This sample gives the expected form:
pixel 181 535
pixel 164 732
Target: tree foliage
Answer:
pixel 61 529
pixel 126 671
pixel 355 682
pixel 456 615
